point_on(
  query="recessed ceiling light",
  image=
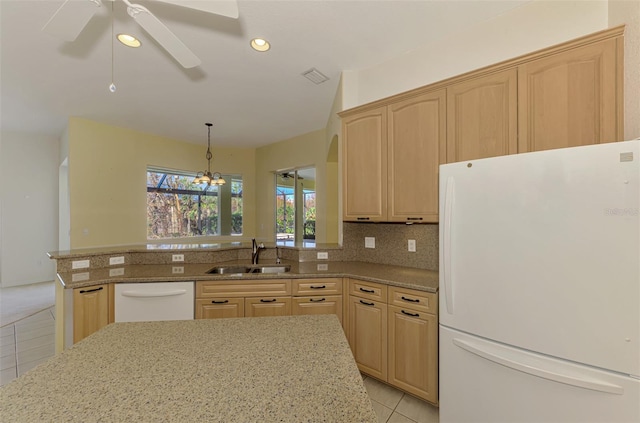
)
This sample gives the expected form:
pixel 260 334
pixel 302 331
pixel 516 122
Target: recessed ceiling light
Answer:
pixel 129 40
pixel 260 44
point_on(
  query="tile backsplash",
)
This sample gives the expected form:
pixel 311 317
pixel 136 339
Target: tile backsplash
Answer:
pixel 391 241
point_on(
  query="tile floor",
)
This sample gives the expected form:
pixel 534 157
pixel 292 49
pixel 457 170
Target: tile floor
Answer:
pixel 393 406
pixel 26 343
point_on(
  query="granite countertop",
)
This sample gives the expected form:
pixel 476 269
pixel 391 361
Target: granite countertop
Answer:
pixel 286 369
pixel 420 279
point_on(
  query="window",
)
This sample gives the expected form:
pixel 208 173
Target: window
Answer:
pixel 296 207
pixel 178 208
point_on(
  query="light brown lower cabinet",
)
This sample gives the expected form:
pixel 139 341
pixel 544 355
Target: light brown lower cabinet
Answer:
pixel 393 334
pixel 265 307
pixel 218 308
pixel 90 310
pixel 413 362
pixel 269 297
pixel 317 296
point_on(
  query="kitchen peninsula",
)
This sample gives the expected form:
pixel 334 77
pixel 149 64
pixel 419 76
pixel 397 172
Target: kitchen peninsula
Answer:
pixel 288 369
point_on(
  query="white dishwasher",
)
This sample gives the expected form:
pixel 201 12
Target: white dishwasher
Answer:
pixel 145 302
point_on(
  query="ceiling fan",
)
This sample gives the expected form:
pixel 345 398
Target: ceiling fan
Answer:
pixel 71 18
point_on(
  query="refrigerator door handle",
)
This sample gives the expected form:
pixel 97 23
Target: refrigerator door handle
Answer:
pixel 537 366
pixel 446 243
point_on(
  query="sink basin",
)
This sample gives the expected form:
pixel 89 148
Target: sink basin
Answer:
pixel 234 270
pixel 271 269
pixel 225 270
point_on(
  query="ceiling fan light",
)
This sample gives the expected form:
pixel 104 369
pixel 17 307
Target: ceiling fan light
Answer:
pixel 129 40
pixel 260 44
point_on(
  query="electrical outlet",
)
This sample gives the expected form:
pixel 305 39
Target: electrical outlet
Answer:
pixel 116 272
pixel 412 245
pixel 369 242
pixel 116 260
pixel 177 257
pixel 79 277
pixel 177 269
pixel 80 264
pixel 323 256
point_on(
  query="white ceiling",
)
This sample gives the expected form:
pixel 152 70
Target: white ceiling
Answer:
pixel 252 98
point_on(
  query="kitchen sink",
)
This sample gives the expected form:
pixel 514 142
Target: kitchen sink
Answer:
pixel 234 270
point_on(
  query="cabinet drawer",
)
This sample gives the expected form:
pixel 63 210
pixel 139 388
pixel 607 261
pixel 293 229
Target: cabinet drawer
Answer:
pixel 413 299
pixel 266 307
pixel 371 290
pixel 243 288
pixel 320 286
pixel 217 308
pixel 321 304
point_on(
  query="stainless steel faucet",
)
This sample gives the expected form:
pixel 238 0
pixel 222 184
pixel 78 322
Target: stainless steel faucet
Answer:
pixel 255 251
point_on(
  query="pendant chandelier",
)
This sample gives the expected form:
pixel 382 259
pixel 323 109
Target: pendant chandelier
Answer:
pixel 207 177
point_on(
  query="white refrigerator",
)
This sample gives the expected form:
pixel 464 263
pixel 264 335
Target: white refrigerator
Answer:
pixel 540 287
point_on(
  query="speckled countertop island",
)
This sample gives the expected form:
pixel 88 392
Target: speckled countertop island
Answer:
pixel 273 369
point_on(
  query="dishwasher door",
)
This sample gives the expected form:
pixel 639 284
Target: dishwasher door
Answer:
pixel 146 302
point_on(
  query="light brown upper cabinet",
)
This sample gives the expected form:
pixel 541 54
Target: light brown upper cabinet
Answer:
pixel 391 159
pixel 416 147
pixel 365 165
pixel 571 98
pixel 482 117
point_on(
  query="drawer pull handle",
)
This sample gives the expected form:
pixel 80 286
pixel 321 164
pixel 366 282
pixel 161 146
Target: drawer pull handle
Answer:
pixel 318 287
pixel 368 291
pixel 219 302
pixel 317 301
pixel 414 218
pixel 363 218
pixel 410 299
pixel 267 301
pixel 84 291
pixel 366 303
pixel 410 314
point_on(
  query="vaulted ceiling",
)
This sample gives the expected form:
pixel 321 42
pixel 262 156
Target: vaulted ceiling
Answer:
pixel 252 98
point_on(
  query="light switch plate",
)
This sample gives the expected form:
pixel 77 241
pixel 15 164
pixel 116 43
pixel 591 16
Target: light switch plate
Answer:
pixel 177 257
pixel 116 260
pixel 369 242
pixel 116 272
pixel 412 245
pixel 323 256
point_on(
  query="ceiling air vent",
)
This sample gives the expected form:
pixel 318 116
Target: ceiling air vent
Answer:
pixel 315 76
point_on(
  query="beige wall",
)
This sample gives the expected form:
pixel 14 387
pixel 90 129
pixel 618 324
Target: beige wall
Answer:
pixel 107 180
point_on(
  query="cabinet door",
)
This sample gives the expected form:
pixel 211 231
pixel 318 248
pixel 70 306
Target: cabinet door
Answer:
pixel 368 335
pixel 265 307
pixel 571 98
pixel 90 310
pixel 364 139
pixel 217 308
pixel 416 147
pixel 482 117
pixel 413 349
pixel 328 304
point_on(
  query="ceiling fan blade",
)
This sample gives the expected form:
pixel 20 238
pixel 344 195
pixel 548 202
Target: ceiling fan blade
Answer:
pixel 227 8
pixel 71 18
pixel 163 35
